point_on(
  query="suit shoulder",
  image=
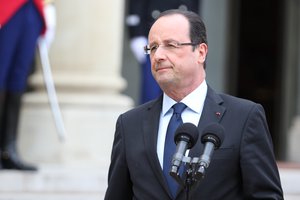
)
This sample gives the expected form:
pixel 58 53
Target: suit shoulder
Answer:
pixel 138 110
pixel 229 97
pixel 237 101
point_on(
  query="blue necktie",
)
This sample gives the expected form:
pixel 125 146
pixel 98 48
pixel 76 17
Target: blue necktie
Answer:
pixel 170 145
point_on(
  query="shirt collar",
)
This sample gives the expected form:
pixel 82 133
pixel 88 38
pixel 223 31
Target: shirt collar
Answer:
pixel 194 100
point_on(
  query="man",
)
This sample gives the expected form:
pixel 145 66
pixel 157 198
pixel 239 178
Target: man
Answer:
pixel 243 167
pixel 21 23
pixel 141 13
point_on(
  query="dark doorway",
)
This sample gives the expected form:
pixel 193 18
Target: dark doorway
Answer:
pixel 259 59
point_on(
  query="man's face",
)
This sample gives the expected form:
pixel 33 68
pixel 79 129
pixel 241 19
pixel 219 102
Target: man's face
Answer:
pixel 175 67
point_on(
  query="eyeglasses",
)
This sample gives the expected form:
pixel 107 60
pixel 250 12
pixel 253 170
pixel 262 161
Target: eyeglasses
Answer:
pixel 168 46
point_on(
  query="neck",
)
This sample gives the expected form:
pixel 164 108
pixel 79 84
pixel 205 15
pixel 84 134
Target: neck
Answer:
pixel 179 93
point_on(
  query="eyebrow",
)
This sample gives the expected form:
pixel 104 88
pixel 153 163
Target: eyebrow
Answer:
pixel 164 41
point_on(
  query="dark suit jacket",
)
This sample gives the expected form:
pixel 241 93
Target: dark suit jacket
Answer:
pixel 243 167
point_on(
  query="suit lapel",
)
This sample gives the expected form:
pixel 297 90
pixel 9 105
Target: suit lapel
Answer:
pixel 150 132
pixel 213 112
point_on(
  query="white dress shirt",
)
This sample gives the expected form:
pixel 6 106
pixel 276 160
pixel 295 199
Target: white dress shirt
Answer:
pixel 194 102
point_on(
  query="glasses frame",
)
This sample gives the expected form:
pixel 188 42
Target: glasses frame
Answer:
pixel 147 49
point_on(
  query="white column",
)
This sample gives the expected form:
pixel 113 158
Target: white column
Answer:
pixel 292 66
pixel 86 66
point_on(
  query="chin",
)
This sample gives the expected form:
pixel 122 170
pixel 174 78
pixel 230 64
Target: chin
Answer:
pixel 165 82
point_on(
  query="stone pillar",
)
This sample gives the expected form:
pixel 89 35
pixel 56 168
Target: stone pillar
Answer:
pixel 292 79
pixel 294 134
pixel 86 65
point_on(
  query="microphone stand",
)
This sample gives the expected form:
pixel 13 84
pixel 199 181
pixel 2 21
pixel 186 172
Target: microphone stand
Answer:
pixel 188 181
pixel 194 172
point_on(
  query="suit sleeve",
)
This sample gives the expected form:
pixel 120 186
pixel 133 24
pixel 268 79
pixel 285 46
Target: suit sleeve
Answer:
pixel 119 183
pixel 259 169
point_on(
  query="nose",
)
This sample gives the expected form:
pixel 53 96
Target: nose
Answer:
pixel 159 54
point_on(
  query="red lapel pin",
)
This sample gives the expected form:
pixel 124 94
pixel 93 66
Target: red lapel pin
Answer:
pixel 218 114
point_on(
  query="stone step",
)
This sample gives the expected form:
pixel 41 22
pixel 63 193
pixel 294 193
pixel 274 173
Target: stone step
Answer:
pixel 54 182
pixel 50 196
pixel 290 179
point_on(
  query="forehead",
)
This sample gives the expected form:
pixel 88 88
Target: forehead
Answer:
pixel 174 26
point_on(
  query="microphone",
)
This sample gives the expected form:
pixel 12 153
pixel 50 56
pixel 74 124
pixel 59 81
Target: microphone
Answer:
pixel 212 139
pixel 185 138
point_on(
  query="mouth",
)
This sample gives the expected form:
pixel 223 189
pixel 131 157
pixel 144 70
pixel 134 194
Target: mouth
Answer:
pixel 161 67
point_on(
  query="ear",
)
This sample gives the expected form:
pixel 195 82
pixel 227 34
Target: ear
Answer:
pixel 202 49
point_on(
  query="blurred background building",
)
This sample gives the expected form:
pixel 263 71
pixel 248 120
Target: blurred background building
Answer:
pixel 254 51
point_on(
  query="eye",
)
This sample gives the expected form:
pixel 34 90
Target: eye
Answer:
pixel 153 47
pixel 171 45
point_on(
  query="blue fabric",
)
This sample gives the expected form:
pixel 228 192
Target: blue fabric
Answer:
pixel 149 89
pixel 17 47
pixel 170 146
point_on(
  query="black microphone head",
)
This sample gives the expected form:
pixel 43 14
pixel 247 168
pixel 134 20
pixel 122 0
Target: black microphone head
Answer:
pixel 187 132
pixel 213 133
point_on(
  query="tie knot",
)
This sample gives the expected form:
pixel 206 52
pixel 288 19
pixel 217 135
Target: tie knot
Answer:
pixel 179 107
